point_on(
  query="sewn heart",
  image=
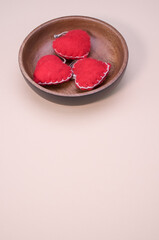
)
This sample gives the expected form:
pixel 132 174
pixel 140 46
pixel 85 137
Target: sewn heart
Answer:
pixel 51 70
pixel 74 44
pixel 89 73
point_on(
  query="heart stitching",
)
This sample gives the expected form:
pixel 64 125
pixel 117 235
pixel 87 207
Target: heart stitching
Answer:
pixel 98 81
pixel 51 70
pixel 74 44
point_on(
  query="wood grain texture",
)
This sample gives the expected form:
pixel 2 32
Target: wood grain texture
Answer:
pixel 107 45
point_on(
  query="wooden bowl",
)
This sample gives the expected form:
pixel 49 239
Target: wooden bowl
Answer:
pixel 107 45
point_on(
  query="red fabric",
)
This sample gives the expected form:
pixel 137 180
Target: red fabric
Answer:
pixel 51 70
pixel 89 73
pixel 75 44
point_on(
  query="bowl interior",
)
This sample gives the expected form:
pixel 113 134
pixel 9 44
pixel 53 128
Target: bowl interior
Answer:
pixel 107 45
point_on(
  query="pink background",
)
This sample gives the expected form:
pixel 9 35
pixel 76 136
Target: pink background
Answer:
pixel 82 172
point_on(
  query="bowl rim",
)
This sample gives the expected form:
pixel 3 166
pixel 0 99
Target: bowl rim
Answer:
pixel 85 93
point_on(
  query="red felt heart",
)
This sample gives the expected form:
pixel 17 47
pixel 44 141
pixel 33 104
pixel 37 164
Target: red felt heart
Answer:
pixel 89 73
pixel 75 44
pixel 51 70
